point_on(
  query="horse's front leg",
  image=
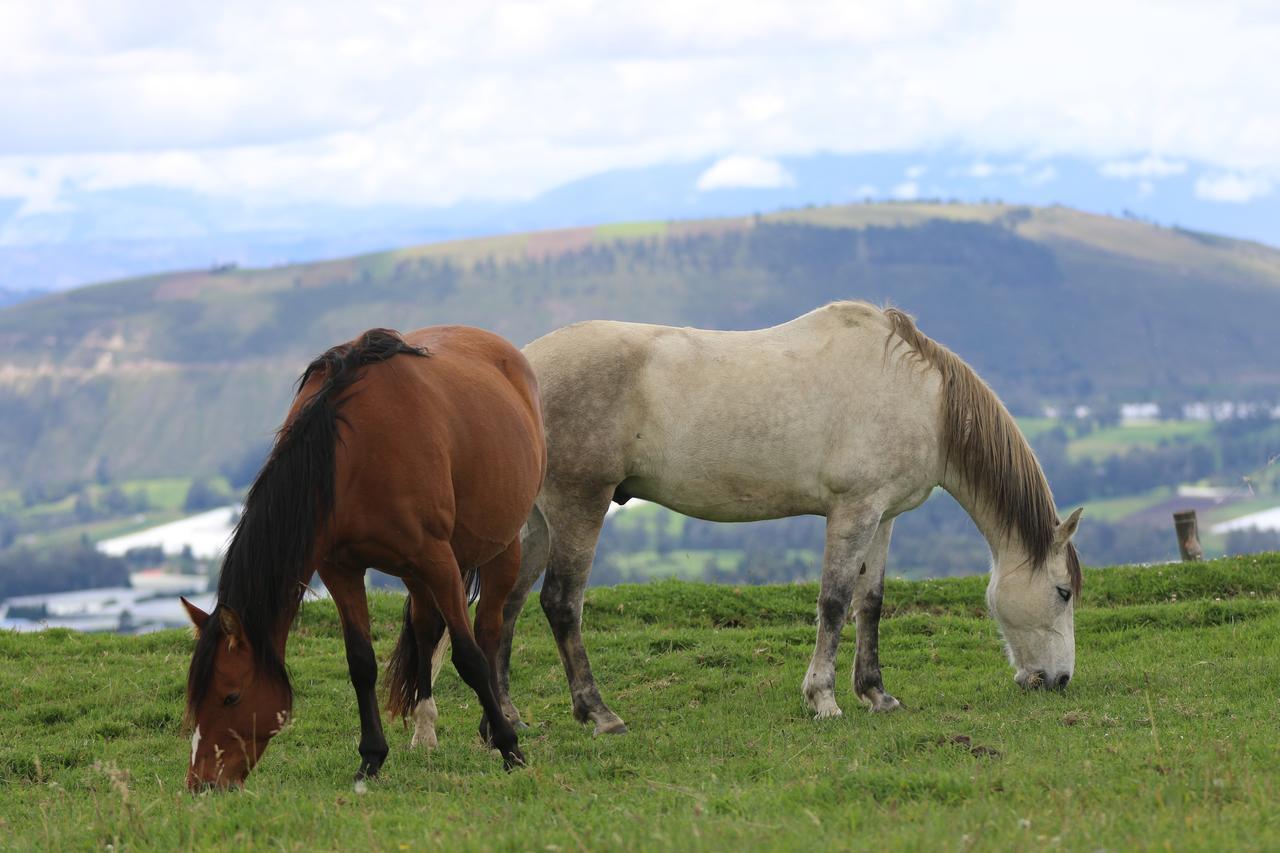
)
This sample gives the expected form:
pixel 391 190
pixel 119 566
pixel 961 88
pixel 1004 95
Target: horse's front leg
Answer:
pixel 850 530
pixel 347 588
pixel 868 596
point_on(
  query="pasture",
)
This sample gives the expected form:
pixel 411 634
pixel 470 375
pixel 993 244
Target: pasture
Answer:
pixel 1166 737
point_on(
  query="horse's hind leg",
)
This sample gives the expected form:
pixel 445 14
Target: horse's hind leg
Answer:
pixel 439 570
pixel 535 546
pixel 497 577
pixel 868 596
pixel 849 534
pixel 347 588
pixel 575 526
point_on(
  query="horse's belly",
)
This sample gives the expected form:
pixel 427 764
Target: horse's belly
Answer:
pixel 724 498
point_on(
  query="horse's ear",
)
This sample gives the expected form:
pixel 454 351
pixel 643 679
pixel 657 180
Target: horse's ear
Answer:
pixel 1067 529
pixel 231 626
pixel 196 615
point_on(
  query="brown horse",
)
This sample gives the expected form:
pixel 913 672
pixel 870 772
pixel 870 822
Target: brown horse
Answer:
pixel 420 456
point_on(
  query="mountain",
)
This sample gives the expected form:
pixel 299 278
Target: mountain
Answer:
pixel 183 373
pixel 93 234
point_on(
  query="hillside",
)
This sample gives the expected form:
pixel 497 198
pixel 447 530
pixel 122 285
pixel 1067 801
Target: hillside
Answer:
pixel 1164 738
pixel 182 374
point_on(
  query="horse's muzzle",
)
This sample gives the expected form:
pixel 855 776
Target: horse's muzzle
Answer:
pixel 1040 680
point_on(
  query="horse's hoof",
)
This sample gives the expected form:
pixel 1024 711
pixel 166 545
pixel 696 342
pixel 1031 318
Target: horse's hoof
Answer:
pixel 829 713
pixel 513 759
pixel 879 702
pixel 427 739
pixel 613 726
pixel 885 704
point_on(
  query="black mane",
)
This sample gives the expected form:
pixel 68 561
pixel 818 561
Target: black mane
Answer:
pixel 286 508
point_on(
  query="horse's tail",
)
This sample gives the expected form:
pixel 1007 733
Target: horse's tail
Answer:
pixel 403 668
pixel 406 659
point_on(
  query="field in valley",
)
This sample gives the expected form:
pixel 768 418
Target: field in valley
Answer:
pixel 1166 737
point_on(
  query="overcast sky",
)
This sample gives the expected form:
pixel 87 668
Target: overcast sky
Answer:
pixel 429 103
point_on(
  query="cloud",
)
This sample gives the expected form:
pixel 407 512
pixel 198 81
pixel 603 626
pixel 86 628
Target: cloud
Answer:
pixel 400 101
pixel 1151 166
pixel 741 172
pixel 906 190
pixel 1231 188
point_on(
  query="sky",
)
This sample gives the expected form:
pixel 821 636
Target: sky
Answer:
pixel 433 103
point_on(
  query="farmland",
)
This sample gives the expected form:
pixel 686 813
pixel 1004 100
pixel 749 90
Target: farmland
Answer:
pixel 1165 737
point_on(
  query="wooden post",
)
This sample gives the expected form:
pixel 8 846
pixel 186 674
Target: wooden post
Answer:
pixel 1184 523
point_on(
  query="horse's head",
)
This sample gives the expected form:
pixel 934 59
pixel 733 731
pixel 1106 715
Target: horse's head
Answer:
pixel 1035 609
pixel 234 705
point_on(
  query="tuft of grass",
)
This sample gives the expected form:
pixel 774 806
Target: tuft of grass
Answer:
pixel 1165 736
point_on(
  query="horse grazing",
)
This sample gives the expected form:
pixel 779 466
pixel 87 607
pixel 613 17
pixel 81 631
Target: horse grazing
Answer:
pixel 420 456
pixel 848 412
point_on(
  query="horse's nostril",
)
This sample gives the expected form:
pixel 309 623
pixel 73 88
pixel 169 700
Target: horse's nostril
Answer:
pixel 1062 680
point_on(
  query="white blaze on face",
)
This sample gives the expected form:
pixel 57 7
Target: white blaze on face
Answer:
pixel 195 745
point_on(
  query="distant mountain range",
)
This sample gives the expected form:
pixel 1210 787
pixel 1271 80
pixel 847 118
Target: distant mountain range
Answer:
pixel 187 373
pixel 97 235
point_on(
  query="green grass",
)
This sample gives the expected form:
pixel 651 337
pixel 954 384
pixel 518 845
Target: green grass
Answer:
pixel 1121 439
pixel 678 562
pixel 1165 738
pixel 1032 427
pixel 1116 509
pixel 631 230
pixel 167 493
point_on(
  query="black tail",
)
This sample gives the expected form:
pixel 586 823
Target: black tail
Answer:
pixel 288 505
pixel 406 659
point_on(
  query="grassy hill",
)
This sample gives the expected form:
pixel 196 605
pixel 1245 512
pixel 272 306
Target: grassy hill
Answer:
pixel 1164 739
pixel 177 375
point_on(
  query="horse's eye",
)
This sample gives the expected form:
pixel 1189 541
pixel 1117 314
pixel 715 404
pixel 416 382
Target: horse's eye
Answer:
pixel 1065 593
pixel 231 699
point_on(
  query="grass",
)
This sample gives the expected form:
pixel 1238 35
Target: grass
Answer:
pixel 1033 427
pixel 167 493
pixel 1121 439
pixel 1165 738
pixel 1117 509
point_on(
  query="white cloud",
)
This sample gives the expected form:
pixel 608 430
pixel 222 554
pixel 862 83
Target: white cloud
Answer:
pixel 916 171
pixel 906 190
pixel 1232 187
pixel 1151 166
pixel 740 172
pixel 400 101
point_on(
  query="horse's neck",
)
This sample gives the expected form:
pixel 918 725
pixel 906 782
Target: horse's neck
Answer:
pixel 1002 538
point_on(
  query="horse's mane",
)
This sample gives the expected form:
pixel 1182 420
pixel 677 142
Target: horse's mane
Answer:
pixel 982 439
pixel 286 508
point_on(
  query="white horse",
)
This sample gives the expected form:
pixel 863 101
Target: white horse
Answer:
pixel 848 412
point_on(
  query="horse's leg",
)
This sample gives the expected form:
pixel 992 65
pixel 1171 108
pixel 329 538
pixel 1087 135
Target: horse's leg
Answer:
pixel 576 527
pixel 868 595
pixel 347 588
pixel 428 628
pixel 439 570
pixel 497 576
pixel 849 534
pixel 535 546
